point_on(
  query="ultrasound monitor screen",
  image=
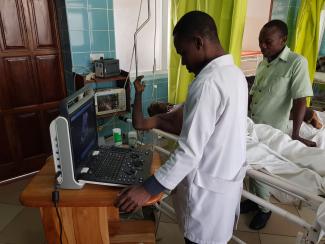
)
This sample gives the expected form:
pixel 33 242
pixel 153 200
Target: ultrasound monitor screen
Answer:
pixel 107 102
pixel 83 132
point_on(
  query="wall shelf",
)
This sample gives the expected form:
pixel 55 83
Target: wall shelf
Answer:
pixel 122 81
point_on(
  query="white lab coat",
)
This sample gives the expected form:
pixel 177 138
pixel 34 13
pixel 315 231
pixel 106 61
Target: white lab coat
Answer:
pixel 208 165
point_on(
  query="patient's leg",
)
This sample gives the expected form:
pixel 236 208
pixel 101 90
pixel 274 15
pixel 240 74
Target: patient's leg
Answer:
pixel 315 121
pixel 311 118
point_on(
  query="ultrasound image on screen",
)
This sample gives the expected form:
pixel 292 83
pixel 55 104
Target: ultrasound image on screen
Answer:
pixel 83 133
pixel 107 102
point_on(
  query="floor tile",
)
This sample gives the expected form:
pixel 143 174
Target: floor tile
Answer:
pixel 25 228
pixel 9 194
pixel 248 237
pixel 278 196
pixel 243 222
pixel 164 217
pixel 274 200
pixel 169 233
pixel 307 214
pixel 276 224
pixel 8 213
pixel 272 239
pixel 18 185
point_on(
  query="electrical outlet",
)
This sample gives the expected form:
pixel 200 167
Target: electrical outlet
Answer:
pixel 155 86
pixel 96 56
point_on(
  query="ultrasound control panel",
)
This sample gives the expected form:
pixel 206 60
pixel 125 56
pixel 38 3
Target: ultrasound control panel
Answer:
pixel 118 166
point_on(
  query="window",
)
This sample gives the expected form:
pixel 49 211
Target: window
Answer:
pixel 125 17
pixel 257 15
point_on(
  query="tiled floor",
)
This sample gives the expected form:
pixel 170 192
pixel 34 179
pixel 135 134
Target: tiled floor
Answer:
pixel 20 225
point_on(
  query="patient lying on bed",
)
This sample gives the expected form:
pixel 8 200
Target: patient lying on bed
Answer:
pixel 311 129
pixel 268 149
pixel 169 118
pixel 312 117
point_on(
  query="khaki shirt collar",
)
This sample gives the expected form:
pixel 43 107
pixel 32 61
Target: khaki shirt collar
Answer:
pixel 283 55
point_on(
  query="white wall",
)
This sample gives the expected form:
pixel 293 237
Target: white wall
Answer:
pixel 125 18
pixel 257 15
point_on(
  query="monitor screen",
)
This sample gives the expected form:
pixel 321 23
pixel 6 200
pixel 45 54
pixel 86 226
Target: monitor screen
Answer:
pixel 107 102
pixel 83 132
pixel 110 101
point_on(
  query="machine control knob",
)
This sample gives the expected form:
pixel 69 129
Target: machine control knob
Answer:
pixel 134 156
pixel 138 163
pixel 130 171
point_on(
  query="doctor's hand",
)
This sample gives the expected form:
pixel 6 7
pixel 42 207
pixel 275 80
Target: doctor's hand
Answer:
pixel 308 143
pixel 132 198
pixel 138 85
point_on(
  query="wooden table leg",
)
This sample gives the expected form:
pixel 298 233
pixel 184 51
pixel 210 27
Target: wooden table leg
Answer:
pixel 113 214
pixel 81 225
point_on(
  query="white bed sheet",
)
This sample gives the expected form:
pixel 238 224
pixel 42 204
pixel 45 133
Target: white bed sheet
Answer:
pixel 273 151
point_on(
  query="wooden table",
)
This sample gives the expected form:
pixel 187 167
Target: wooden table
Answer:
pixel 86 214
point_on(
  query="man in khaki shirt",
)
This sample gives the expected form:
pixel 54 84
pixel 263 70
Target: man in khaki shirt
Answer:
pixel 282 83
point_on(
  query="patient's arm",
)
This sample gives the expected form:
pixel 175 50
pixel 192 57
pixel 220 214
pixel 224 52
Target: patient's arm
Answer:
pixel 139 122
pixel 298 113
pixel 170 122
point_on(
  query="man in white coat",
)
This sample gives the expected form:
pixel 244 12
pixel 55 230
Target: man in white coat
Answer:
pixel 209 164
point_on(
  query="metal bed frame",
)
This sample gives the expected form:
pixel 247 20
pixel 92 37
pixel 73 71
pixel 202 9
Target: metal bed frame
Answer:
pixel 312 232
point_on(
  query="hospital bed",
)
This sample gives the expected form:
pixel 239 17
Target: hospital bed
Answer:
pixel 288 185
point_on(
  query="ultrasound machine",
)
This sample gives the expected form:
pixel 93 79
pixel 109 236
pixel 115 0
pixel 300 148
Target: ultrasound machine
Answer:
pixel 77 157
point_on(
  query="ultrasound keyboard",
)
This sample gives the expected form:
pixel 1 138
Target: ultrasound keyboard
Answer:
pixel 121 166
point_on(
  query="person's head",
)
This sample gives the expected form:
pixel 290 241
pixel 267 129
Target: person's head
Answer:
pixel 196 40
pixel 273 38
pixel 159 108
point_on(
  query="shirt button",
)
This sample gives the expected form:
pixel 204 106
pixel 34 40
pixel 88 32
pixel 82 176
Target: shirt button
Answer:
pixel 259 90
pixel 253 115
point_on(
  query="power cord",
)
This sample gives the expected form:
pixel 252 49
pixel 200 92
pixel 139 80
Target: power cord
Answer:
pixel 55 200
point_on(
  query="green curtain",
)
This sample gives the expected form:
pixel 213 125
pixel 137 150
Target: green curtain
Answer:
pixel 305 39
pixel 229 16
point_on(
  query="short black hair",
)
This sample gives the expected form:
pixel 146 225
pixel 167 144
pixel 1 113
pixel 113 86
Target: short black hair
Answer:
pixel 196 22
pixel 157 108
pixel 279 24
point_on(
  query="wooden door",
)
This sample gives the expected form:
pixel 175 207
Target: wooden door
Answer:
pixel 31 83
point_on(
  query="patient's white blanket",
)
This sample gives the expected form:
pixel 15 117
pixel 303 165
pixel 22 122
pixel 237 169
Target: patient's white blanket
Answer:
pixel 272 150
pixel 311 133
